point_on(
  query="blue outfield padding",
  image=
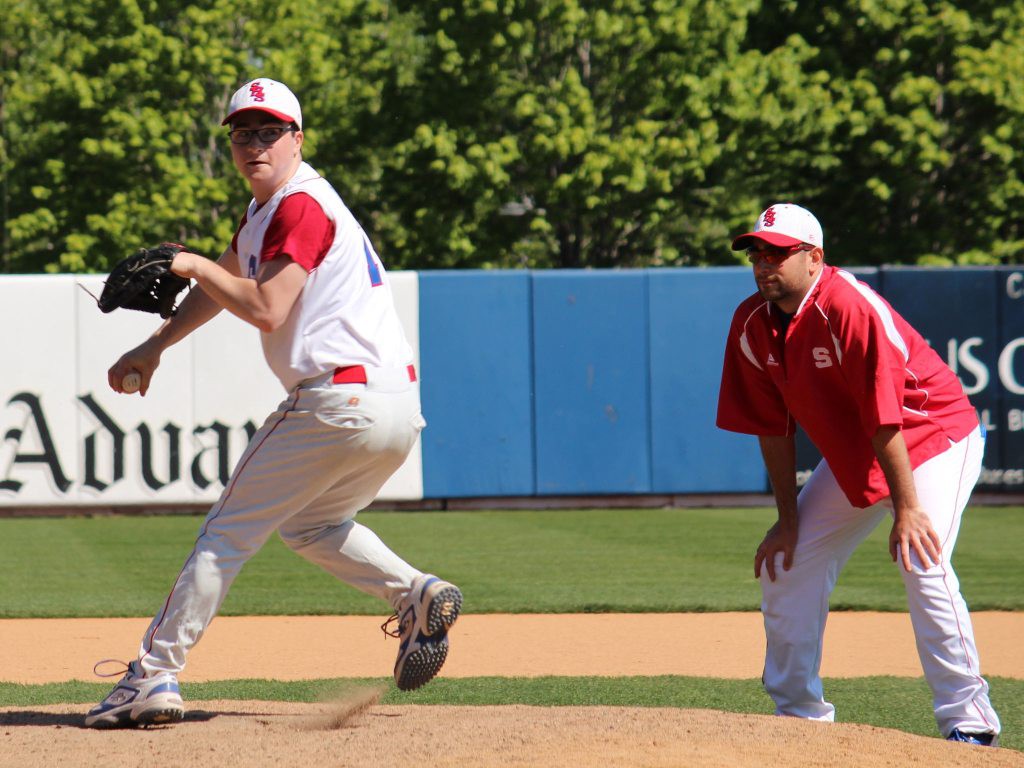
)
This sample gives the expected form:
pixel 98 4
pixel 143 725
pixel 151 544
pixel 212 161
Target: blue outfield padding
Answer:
pixel 690 313
pixel 597 382
pixel 591 382
pixel 476 359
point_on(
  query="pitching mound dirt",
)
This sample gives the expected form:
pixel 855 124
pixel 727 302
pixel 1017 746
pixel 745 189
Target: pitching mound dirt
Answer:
pixel 354 732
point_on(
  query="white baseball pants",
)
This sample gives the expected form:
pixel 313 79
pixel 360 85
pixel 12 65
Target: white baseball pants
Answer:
pixel 795 605
pixel 315 462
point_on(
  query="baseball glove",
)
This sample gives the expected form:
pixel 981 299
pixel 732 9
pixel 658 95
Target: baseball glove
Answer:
pixel 144 281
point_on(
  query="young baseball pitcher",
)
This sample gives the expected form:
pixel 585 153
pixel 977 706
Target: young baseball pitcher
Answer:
pixel 301 270
pixel 817 348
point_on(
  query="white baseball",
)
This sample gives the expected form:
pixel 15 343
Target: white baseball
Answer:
pixel 131 382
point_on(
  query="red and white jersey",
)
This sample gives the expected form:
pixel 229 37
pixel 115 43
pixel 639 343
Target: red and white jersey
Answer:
pixel 846 365
pixel 345 314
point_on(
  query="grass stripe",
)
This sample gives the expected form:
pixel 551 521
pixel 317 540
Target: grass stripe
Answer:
pixel 650 560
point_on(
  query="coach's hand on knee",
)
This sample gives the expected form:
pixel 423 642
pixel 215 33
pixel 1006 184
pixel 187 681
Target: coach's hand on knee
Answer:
pixel 780 538
pixel 912 529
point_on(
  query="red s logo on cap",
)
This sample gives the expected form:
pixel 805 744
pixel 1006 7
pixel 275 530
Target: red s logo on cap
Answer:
pixel 769 217
pixel 256 92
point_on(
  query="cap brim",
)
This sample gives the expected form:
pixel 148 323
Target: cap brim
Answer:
pixel 772 238
pixel 273 112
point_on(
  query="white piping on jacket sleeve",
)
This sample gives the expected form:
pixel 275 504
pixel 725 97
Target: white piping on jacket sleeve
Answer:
pixel 745 343
pixel 881 310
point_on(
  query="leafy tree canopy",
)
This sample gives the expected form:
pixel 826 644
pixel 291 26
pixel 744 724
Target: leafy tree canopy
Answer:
pixel 524 133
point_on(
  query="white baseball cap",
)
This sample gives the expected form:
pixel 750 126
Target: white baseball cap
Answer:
pixel 783 224
pixel 267 96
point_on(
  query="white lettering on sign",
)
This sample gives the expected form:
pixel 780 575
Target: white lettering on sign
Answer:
pixel 1006 375
pixel 1015 420
pixel 1015 285
pixel 1001 477
pixel 985 417
pixel 959 357
pixel 32 446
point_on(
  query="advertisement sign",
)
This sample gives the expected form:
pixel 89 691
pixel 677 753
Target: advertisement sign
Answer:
pixel 68 439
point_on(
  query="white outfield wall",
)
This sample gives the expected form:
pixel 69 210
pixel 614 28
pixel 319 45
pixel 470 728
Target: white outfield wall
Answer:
pixel 68 440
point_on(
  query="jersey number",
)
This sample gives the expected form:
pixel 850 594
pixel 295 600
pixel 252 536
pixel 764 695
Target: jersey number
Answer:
pixel 371 264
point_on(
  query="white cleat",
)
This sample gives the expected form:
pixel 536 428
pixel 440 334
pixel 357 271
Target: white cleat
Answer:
pixel 138 700
pixel 424 618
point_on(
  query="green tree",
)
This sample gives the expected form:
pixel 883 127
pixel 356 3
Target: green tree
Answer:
pixel 109 127
pixel 535 133
pixel 929 92
pixel 624 133
pixel 543 133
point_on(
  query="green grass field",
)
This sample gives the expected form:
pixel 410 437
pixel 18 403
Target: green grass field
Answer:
pixel 525 561
pixel 535 561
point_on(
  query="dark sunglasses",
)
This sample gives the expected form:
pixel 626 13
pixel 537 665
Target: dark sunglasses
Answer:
pixel 267 135
pixel 774 254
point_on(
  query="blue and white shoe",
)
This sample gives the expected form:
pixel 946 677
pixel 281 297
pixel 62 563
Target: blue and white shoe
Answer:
pixel 981 739
pixel 138 700
pixel 424 618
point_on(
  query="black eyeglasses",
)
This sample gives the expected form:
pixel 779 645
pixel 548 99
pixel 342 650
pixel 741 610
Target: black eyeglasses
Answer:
pixel 267 135
pixel 774 254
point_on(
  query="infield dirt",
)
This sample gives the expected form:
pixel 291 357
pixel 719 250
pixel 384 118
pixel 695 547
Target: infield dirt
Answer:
pixel 355 731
